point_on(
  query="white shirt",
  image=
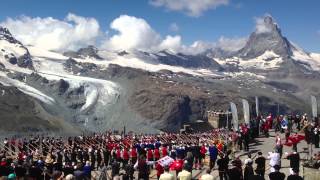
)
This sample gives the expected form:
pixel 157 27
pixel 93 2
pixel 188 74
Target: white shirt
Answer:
pixel 274 159
pixel 184 175
pixel 206 177
pixel 166 176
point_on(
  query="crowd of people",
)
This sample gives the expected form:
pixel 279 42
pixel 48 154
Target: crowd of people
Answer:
pixel 124 154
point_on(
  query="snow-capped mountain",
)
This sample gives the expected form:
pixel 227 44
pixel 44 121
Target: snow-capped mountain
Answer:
pixel 94 89
pixel 267 49
pixel 13 51
pixel 269 39
pixel 88 52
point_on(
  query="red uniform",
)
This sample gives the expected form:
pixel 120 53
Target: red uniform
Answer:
pixel 203 150
pixel 134 155
pixel 150 155
pixel 159 169
pixel 125 155
pixel 118 154
pixel 164 151
pixel 156 154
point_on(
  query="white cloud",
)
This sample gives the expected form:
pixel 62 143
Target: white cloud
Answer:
pixel 71 33
pixel 136 33
pixel 265 24
pixel 231 44
pixel 172 43
pixel 197 47
pixel 193 8
pixel 174 27
pixel 132 33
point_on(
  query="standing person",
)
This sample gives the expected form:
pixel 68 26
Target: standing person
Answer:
pixel 316 132
pixel 156 154
pixel 115 168
pixel 118 155
pixel 142 167
pixel 93 158
pixel 279 145
pixel 125 157
pixel 189 161
pixel 277 175
pixel 261 164
pixel 246 140
pixel 274 160
pixel 133 155
pixel 166 175
pixel 223 166
pixel 99 157
pixel 294 159
pixel 87 170
pixel 235 173
pixel 149 154
pixel 297 122
pixel 129 169
pixel 106 155
pixel 196 155
pixel 203 152
pixel 160 170
pixel 248 170
pixel 213 153
pixel 164 151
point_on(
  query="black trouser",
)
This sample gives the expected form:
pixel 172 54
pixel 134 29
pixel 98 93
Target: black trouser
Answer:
pixel 260 171
pixel 143 176
pixel 212 163
pixel 125 162
pixel 316 141
pixel 223 174
pixel 134 160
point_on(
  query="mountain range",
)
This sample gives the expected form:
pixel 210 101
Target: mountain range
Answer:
pixel 93 90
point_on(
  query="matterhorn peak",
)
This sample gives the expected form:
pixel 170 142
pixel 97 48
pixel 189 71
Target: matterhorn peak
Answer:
pixel 267 24
pixel 266 37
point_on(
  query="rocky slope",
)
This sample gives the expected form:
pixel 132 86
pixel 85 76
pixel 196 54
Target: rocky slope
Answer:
pixel 92 90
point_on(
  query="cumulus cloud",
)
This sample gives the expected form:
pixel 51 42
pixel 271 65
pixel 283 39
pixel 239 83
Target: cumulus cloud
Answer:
pixel 231 44
pixel 132 32
pixel 172 43
pixel 265 24
pixel 193 8
pixel 71 33
pixel 128 33
pixel 136 33
pixel 174 27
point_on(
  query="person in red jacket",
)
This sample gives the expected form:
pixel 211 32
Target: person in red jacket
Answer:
pixel 164 151
pixel 203 152
pixel 177 165
pixel 156 154
pixel 160 170
pixel 125 157
pixel 118 154
pixel 134 155
pixel 149 155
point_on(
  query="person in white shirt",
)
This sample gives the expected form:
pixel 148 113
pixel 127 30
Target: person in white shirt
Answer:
pixel 274 160
pixel 166 175
pixel 184 174
pixel 207 175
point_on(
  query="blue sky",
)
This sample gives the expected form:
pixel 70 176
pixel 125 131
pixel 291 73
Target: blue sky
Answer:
pixel 299 20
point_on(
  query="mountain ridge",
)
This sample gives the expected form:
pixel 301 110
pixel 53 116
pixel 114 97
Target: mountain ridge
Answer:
pixel 95 90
